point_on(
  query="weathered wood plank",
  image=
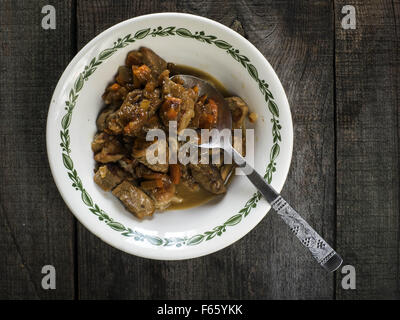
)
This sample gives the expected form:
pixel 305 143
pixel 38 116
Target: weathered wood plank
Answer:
pixel 36 229
pixel 297 38
pixel 300 48
pixel 367 84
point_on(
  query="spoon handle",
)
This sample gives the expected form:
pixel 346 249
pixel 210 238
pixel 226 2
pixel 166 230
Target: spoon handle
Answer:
pixel 319 248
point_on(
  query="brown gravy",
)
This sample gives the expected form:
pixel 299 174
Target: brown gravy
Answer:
pixel 190 198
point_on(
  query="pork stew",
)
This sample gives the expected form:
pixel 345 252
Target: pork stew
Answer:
pixel 143 97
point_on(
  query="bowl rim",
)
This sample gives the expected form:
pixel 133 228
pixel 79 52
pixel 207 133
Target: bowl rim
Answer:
pixel 82 52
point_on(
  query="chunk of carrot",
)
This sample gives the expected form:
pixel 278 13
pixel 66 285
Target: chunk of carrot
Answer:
pixel 213 107
pixel 175 172
pixel 143 73
pixel 114 87
pixel 171 114
pixel 152 184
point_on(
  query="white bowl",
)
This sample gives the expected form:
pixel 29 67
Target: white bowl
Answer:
pixel 182 39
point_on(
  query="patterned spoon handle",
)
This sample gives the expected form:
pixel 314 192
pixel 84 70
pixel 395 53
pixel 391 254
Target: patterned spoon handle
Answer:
pixel 321 251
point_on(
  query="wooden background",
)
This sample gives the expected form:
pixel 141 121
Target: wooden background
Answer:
pixel 343 88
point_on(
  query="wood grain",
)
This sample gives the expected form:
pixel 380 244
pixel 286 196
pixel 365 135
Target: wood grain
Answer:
pixel 367 84
pixel 267 263
pixel 36 229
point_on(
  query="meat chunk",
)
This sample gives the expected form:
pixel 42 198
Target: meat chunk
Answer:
pixel 187 179
pixel 239 111
pixel 128 165
pixel 107 148
pixel 134 200
pixel 152 123
pixel 98 141
pixel 114 95
pixel 164 197
pixel 101 121
pixel 142 171
pixel 158 186
pixel 108 176
pixel 209 177
pixel 124 75
pixel 139 152
pixel 162 191
pixel 136 109
pixel 129 109
pixel 153 61
pixel 185 100
pixel 134 58
pixel 163 75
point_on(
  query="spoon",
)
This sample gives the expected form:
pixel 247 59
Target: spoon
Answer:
pixel 319 248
